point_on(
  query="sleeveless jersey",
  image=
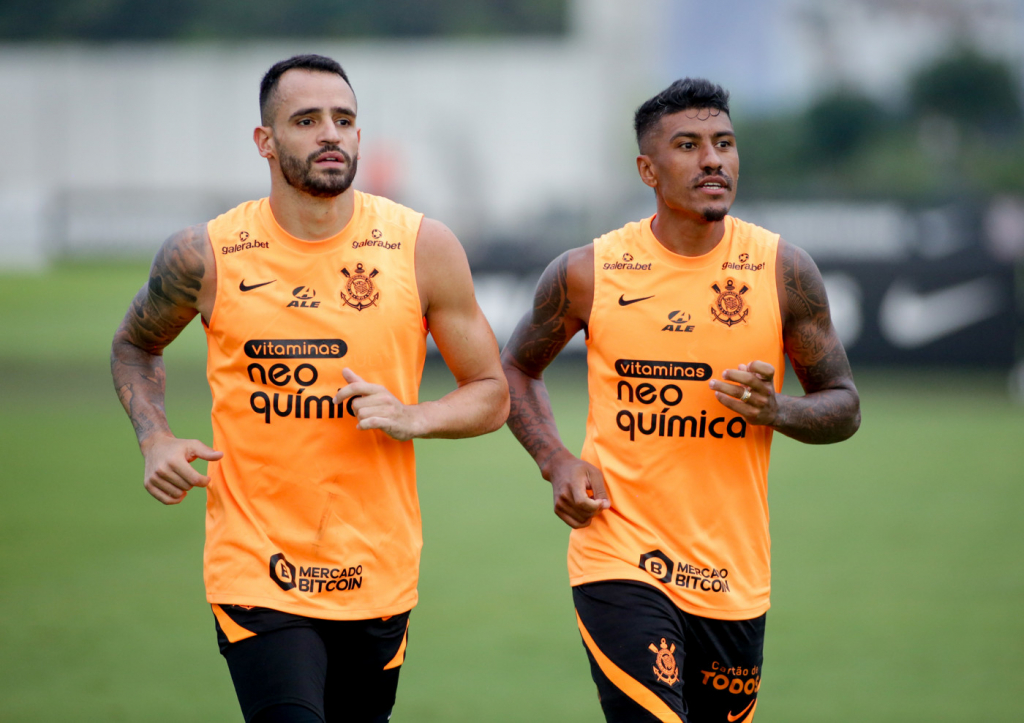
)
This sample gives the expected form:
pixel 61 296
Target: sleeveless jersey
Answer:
pixel 305 513
pixel 686 476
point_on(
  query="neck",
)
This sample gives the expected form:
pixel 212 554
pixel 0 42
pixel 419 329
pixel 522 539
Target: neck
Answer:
pixel 309 218
pixel 686 233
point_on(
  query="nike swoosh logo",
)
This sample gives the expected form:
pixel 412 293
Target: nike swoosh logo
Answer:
pixel 730 717
pixel 624 302
pixel 243 287
pixel 910 319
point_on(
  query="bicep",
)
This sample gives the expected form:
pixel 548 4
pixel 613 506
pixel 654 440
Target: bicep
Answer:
pixel 459 327
pixel 545 330
pixel 811 341
pixel 171 297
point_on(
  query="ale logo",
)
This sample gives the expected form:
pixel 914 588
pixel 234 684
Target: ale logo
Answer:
pixel 282 572
pixel 304 296
pixel 678 321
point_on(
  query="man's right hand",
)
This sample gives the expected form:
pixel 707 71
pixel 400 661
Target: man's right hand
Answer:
pixel 169 474
pixel 579 491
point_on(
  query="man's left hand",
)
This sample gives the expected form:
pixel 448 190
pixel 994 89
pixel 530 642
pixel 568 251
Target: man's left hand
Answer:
pixel 378 408
pixel 751 394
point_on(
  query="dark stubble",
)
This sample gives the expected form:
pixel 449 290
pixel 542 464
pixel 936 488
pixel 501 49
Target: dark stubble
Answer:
pixel 328 183
pixel 713 214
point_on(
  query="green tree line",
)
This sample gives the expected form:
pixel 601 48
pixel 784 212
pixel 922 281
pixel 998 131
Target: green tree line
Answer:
pixel 113 20
pixel 958 131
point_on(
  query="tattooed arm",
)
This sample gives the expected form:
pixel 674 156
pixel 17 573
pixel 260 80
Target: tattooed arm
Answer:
pixel 182 283
pixel 561 308
pixel 829 411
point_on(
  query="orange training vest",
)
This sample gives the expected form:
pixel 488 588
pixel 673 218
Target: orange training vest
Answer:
pixel 305 513
pixel 687 477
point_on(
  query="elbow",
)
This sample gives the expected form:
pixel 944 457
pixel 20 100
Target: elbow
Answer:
pixel 508 363
pixel 496 408
pixel 118 348
pixel 501 408
pixel 853 424
pixel 851 427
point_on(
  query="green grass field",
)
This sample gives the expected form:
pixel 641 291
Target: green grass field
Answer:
pixel 898 582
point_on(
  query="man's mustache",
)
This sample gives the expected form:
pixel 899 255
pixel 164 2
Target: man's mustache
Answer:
pixel 328 149
pixel 717 174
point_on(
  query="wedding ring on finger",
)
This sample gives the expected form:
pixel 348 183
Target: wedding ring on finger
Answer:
pixel 746 395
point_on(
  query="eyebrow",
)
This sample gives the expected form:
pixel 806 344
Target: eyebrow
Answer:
pixel 337 110
pixel 686 134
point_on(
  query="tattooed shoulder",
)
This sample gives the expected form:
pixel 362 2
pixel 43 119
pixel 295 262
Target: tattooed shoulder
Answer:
pixel 172 297
pixel 803 291
pixel 811 341
pixel 553 321
pixel 180 267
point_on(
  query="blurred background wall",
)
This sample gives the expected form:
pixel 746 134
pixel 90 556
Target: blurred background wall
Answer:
pixel 884 136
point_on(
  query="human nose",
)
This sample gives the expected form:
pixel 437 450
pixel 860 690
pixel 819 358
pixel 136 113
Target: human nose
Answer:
pixel 329 134
pixel 710 158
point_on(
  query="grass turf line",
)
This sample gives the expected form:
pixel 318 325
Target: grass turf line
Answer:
pixel 897 584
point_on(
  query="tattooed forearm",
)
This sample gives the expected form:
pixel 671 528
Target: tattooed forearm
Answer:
pixel 820 418
pixel 156 316
pixel 531 418
pixel 830 410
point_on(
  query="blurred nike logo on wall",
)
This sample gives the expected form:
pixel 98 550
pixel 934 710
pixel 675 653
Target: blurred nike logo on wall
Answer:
pixel 910 319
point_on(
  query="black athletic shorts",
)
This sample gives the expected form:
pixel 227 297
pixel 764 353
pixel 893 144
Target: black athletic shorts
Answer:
pixel 653 662
pixel 290 668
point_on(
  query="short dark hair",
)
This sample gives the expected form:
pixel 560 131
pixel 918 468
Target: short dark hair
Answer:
pixel 316 63
pixel 683 94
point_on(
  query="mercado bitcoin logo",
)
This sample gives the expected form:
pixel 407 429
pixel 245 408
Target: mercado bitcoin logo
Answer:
pixel 314 579
pixel 684 574
pixel 282 572
pixel 658 564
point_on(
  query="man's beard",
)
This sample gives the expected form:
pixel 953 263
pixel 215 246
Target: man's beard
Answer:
pixel 333 182
pixel 714 214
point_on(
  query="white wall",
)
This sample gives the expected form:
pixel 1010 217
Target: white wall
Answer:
pixel 119 146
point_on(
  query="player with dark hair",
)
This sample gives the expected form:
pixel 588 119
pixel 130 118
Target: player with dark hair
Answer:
pixel 316 303
pixel 688 315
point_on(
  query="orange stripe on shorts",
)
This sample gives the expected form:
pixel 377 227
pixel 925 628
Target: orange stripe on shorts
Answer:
pixel 626 683
pixel 232 630
pixel 400 655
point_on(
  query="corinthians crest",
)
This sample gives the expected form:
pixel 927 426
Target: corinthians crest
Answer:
pixel 665 668
pixel 729 308
pixel 361 293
